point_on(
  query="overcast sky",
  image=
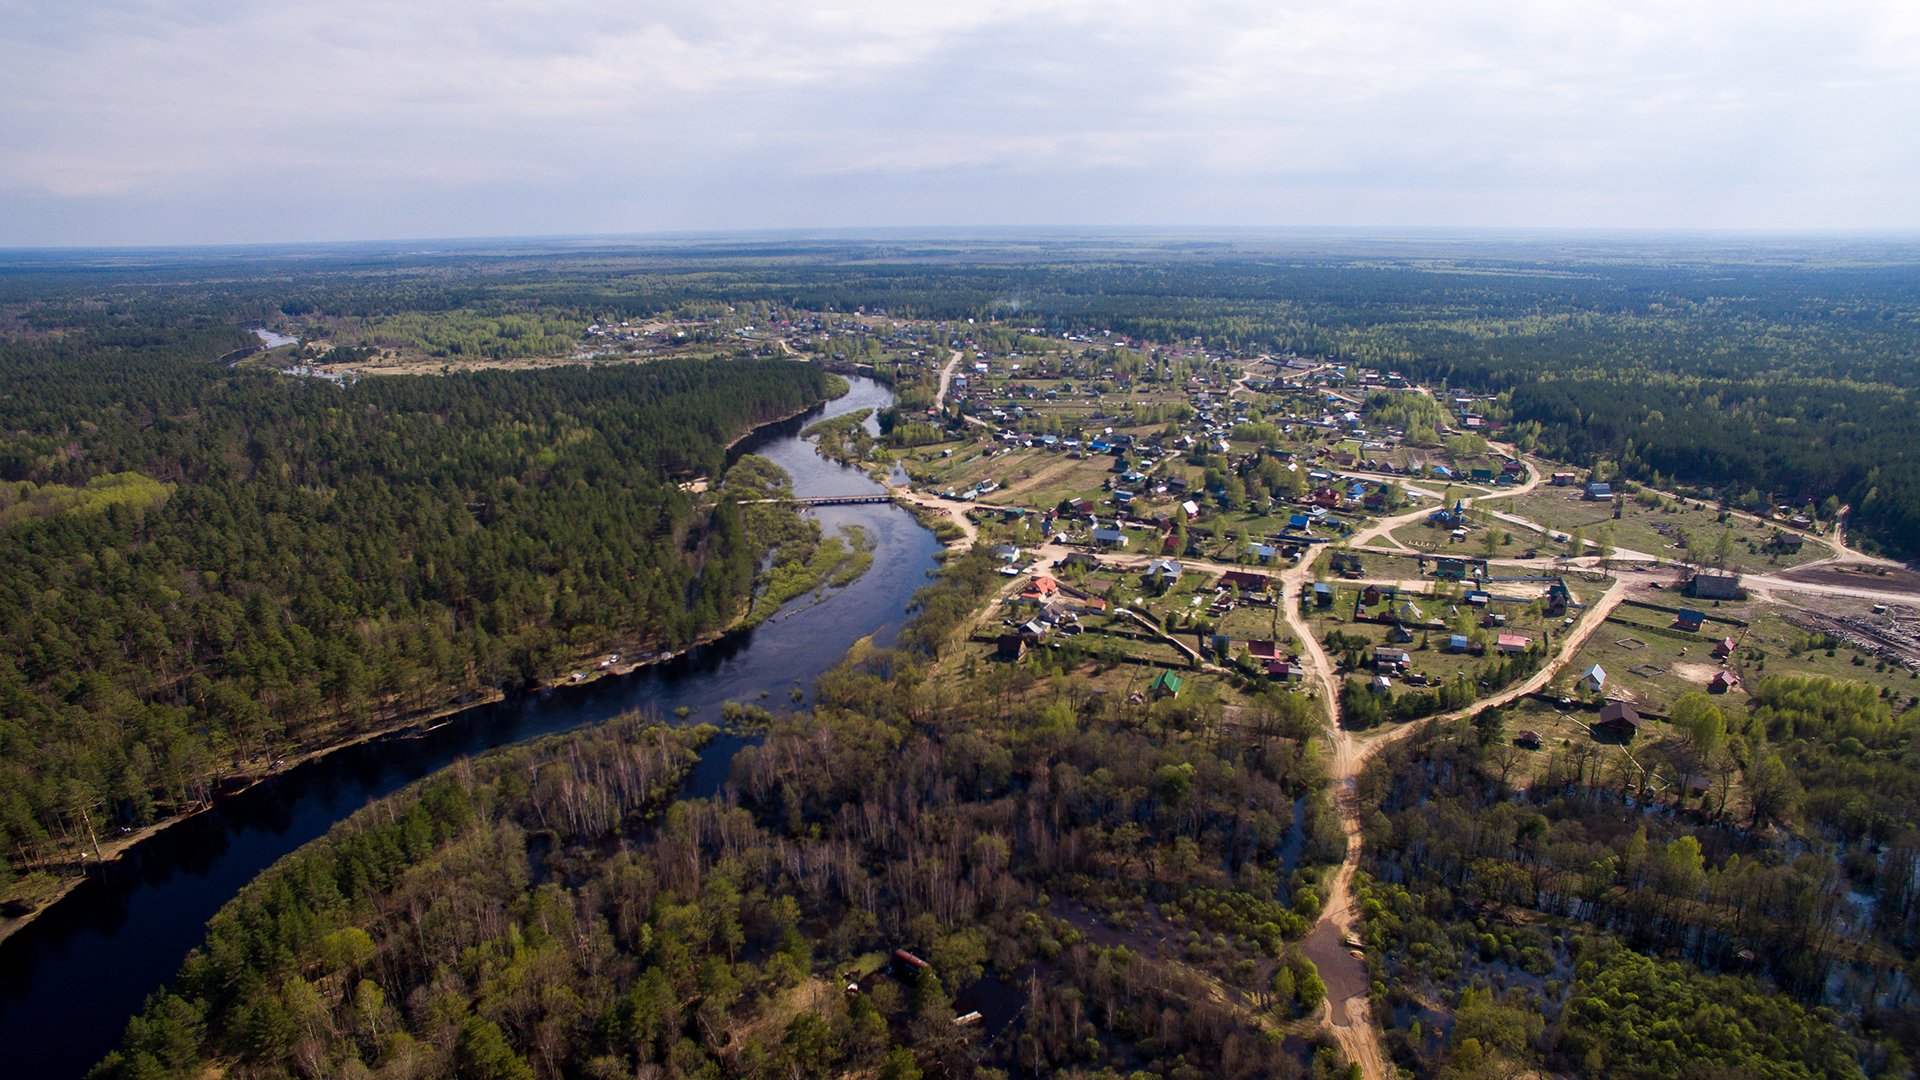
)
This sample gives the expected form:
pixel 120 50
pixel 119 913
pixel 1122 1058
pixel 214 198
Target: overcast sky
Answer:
pixel 211 121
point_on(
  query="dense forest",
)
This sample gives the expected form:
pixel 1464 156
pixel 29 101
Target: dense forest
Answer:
pixel 1524 908
pixel 211 564
pixel 552 911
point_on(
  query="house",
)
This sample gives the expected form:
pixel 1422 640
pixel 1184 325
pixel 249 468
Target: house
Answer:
pixel 1380 684
pixel 1164 572
pixel 1041 588
pixel 1165 684
pixel 1285 671
pixel 1262 650
pixel 1452 569
pixel 1618 721
pixel 1593 680
pixel 1723 682
pixel 1564 479
pixel 1558 597
pixel 1399 635
pixel 1370 595
pixel 1006 553
pixel 1300 523
pixel 1391 658
pixel 1322 594
pixel 1011 647
pixel 1689 619
pixel 1246 581
pixel 1458 643
pixel 1110 538
pixel 1264 552
pixel 1723 648
pixel 1527 740
pixel 1715 587
pixel 1513 643
pixel 1060 615
pixel 1081 558
pixel 1597 491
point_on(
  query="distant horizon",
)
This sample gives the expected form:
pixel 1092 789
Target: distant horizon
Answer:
pixel 1225 234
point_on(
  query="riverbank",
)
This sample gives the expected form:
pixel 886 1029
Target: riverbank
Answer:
pixel 949 524
pixel 837 388
pixel 588 667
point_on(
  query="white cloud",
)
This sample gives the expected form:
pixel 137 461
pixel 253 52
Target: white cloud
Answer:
pixel 137 120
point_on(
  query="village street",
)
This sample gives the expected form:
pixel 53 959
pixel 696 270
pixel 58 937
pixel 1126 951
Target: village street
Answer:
pixel 1331 943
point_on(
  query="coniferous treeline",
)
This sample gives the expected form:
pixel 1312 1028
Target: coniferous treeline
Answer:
pixel 207 564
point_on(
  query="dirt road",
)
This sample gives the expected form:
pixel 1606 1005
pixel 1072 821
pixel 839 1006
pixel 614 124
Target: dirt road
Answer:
pixel 946 379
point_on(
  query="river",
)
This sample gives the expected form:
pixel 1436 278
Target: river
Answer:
pixel 71 978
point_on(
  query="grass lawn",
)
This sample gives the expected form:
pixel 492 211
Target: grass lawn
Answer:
pixel 1511 541
pixel 1656 529
pixel 1254 623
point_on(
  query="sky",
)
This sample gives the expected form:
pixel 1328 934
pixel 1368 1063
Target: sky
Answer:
pixel 238 121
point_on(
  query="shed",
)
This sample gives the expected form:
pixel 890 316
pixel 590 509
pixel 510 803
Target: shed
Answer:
pixel 907 964
pixel 1689 619
pixel 1593 679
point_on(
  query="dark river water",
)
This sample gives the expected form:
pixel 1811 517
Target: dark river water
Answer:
pixel 70 979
